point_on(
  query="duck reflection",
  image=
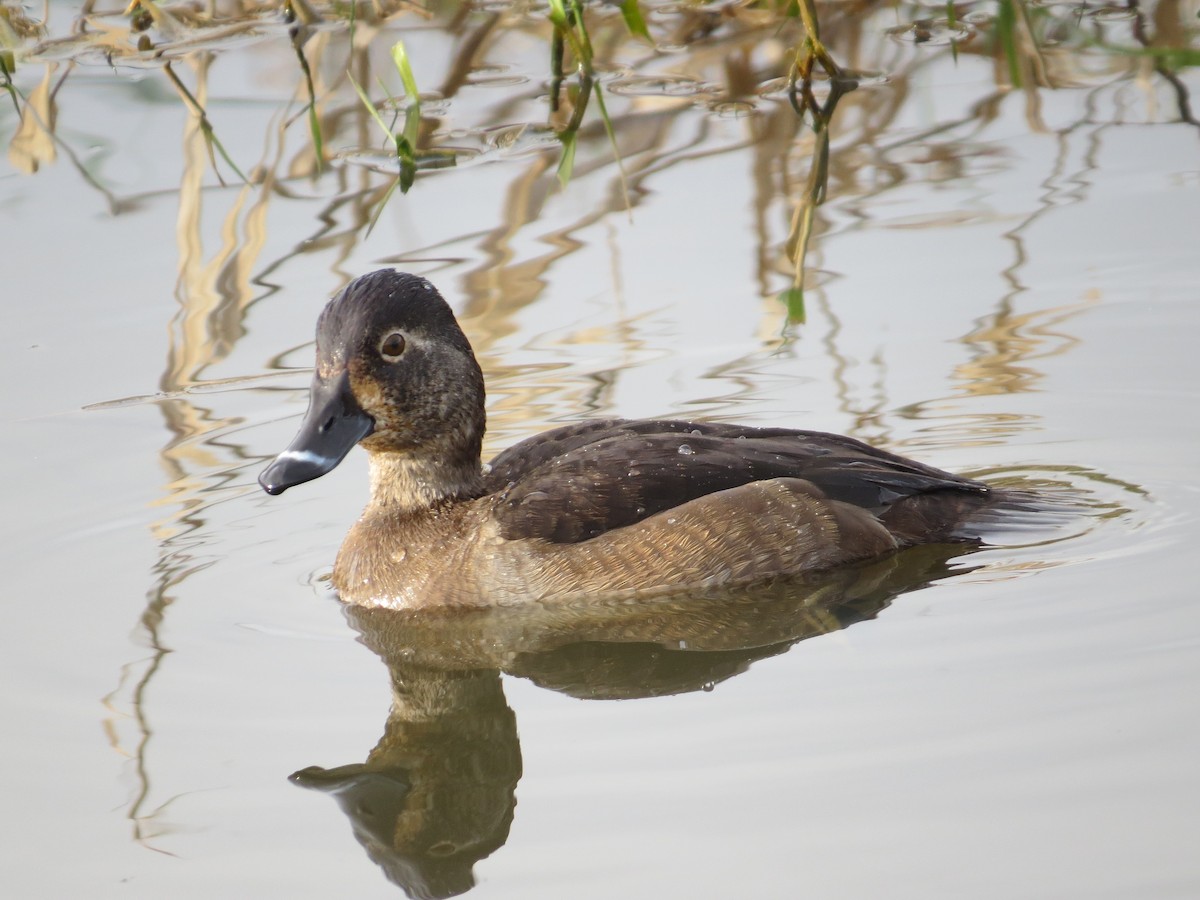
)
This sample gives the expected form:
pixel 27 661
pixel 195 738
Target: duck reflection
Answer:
pixel 437 793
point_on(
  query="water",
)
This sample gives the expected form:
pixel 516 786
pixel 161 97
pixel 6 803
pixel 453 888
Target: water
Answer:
pixel 1001 283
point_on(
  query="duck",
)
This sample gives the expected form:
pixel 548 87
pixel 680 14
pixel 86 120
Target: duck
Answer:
pixel 603 507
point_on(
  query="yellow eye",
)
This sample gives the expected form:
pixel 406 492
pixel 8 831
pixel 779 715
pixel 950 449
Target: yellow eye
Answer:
pixel 392 346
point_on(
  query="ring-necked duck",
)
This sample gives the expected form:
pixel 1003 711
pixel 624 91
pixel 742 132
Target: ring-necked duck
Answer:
pixel 599 506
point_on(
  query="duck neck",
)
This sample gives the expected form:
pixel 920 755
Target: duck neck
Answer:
pixel 404 484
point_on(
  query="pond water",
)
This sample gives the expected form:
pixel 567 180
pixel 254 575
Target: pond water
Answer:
pixel 1001 281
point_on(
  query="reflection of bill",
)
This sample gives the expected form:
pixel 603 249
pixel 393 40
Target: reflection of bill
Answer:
pixel 436 794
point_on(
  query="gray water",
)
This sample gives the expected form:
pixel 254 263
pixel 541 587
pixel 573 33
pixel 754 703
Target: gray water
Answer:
pixel 1002 282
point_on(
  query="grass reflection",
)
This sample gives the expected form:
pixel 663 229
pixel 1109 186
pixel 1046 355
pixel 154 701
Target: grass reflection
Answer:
pixel 732 61
pixel 828 143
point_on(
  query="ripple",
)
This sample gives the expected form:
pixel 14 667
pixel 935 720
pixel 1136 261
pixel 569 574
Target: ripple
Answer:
pixel 733 109
pixel 1071 502
pixel 932 32
pixel 666 10
pixel 500 142
pixel 441 157
pixel 1112 13
pixel 949 219
pixel 518 139
pixel 138 50
pixel 659 86
pixel 495 76
pixel 779 87
pixel 216 40
pixel 433 103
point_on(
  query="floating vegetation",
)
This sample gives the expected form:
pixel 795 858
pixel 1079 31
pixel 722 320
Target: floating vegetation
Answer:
pixel 571 31
pixel 611 74
pixel 210 136
pixel 409 157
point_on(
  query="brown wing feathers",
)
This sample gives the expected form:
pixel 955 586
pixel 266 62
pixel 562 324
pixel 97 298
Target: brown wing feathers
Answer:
pixel 579 481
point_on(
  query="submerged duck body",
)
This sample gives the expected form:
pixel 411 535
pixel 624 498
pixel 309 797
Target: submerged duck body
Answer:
pixel 606 506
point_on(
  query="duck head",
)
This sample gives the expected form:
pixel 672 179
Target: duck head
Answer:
pixel 395 373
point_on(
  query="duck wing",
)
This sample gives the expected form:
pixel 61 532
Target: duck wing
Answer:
pixel 523 457
pixel 573 483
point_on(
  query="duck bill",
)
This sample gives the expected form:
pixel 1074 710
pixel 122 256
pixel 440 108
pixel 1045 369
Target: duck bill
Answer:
pixel 333 424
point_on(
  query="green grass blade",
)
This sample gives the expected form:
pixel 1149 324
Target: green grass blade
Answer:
pixel 406 155
pixel 206 128
pixel 7 67
pixel 314 127
pixel 1173 57
pixel 400 58
pixel 586 54
pixel 952 21
pixel 562 25
pixel 379 206
pixel 567 163
pixel 408 173
pixel 314 123
pixel 793 300
pixel 612 140
pixel 366 101
pixel 412 124
pixel 633 19
pixel 1006 26
pixel 211 136
pixel 395 104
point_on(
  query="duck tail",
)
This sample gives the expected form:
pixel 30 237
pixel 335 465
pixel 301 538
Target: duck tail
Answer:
pixel 953 516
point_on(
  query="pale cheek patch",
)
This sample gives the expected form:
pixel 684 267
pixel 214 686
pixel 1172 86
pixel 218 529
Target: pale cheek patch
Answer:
pixel 306 456
pixel 369 395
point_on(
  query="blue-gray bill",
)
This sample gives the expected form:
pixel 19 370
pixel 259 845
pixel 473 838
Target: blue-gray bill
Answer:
pixel 333 424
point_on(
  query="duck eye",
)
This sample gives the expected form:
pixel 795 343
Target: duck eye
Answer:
pixel 392 346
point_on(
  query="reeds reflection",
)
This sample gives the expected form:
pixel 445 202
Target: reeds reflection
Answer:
pixel 724 99
pixel 436 793
pixel 736 66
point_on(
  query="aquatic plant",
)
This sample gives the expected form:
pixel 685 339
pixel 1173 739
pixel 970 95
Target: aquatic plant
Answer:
pixel 612 74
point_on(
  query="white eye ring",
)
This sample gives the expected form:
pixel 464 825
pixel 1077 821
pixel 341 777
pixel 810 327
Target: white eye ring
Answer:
pixel 391 348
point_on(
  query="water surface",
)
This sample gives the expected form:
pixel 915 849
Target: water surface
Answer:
pixel 1002 281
